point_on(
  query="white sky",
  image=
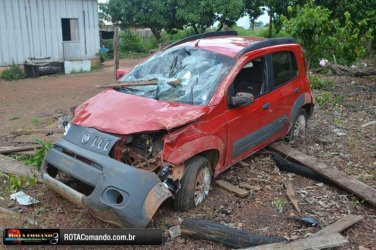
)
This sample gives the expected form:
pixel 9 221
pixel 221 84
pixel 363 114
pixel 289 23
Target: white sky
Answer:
pixel 242 22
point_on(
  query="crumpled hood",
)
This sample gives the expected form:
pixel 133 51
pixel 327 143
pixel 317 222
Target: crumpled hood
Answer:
pixel 119 113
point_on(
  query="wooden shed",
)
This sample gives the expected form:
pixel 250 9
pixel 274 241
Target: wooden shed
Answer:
pixel 65 30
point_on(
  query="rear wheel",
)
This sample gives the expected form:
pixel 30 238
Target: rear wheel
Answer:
pixel 298 126
pixel 195 184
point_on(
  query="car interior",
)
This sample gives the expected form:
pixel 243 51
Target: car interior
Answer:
pixel 251 78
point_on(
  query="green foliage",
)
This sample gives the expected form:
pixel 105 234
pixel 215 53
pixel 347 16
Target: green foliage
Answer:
pixel 14 72
pixel 101 55
pixel 337 121
pixel 17 182
pixel 279 204
pixel 36 159
pixel 325 37
pixel 310 26
pixel 326 98
pixel 132 42
pixel 316 83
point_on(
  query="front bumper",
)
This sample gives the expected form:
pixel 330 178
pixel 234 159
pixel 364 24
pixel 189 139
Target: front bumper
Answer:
pixel 122 195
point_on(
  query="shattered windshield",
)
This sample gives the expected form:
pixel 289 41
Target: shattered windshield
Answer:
pixel 184 74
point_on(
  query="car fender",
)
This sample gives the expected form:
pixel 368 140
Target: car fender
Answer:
pixel 180 153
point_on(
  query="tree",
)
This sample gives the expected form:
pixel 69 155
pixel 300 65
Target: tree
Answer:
pixel 310 26
pixel 254 9
pixel 153 14
pixel 202 14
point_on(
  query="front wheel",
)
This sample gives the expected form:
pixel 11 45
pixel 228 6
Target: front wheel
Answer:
pixel 298 126
pixel 195 184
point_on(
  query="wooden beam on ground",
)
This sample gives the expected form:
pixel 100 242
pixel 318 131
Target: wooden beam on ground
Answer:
pixel 291 195
pixel 11 219
pixel 14 149
pixel 37 131
pixel 332 229
pixel 230 237
pixel 232 188
pixel 336 176
pixel 340 225
pixel 13 167
pixel 312 242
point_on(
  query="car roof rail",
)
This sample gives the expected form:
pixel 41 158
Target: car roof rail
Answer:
pixel 266 43
pixel 203 35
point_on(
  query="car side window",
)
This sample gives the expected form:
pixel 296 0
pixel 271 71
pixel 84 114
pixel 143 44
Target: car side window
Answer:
pixel 284 67
pixel 251 78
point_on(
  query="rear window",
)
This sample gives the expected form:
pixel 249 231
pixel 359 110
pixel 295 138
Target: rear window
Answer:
pixel 284 67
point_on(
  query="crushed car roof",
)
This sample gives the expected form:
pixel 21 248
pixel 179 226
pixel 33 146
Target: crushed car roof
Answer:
pixel 226 45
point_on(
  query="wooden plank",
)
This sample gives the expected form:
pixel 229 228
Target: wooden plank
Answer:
pixel 340 225
pixel 37 131
pixel 348 183
pixel 312 242
pixel 13 149
pixel 11 219
pixel 291 195
pixel 13 167
pixel 230 237
pixel 130 83
pixel 232 188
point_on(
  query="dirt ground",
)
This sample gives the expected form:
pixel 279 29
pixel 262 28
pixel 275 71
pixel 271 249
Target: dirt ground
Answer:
pixel 334 136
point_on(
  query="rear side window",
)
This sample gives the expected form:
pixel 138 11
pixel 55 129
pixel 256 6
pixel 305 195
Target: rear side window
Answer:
pixel 284 67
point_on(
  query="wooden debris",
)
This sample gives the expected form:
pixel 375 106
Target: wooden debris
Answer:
pixel 291 195
pixel 230 237
pixel 13 149
pixel 313 242
pixel 130 83
pixel 232 188
pixel 244 164
pixel 249 187
pixel 325 238
pixel 368 123
pixel 174 231
pixel 37 131
pixel 348 183
pixel 340 225
pixel 11 219
pixel 13 167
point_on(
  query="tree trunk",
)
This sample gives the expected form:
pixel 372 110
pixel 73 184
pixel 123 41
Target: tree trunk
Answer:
pixel 195 28
pixel 157 33
pixel 270 24
pixel 116 50
pixel 220 26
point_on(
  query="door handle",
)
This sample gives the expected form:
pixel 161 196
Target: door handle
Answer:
pixel 297 90
pixel 266 106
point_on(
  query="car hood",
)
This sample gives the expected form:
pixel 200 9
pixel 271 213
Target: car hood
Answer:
pixel 120 113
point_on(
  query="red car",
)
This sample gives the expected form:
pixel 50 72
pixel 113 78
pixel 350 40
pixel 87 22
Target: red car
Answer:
pixel 177 120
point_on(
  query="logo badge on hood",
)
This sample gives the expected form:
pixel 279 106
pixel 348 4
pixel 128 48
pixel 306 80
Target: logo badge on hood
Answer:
pixel 85 138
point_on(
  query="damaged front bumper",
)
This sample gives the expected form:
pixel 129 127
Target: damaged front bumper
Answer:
pixel 121 194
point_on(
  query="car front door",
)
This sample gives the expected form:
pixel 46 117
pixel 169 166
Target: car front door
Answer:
pixel 252 127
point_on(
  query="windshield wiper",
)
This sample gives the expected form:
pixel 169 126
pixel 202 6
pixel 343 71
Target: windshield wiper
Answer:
pixel 153 81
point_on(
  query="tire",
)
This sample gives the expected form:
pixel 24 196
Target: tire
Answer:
pixel 298 125
pixel 197 175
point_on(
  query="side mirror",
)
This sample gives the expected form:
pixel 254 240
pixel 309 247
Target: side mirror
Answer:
pixel 242 99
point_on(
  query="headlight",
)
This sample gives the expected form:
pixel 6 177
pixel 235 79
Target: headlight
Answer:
pixel 66 128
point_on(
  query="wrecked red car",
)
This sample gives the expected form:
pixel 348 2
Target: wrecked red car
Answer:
pixel 177 120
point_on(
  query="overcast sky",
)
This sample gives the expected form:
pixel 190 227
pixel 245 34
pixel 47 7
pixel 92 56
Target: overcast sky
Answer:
pixel 242 22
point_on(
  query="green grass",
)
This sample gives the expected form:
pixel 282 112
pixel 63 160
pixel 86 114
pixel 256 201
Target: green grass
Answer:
pixel 14 118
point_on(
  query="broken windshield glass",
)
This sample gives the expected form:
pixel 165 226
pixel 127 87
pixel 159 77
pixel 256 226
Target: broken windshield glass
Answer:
pixel 184 74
